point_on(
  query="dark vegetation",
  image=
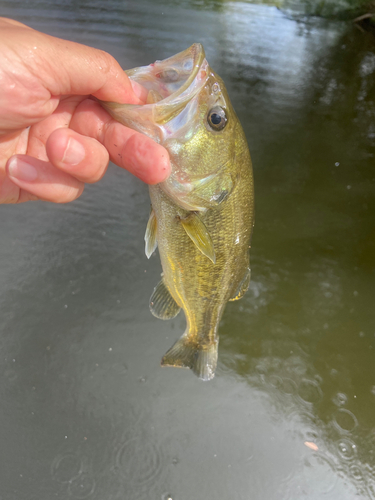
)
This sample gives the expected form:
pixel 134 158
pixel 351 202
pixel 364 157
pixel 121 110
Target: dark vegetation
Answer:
pixel 360 12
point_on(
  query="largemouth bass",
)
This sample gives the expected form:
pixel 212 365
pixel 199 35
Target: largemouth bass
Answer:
pixel 202 215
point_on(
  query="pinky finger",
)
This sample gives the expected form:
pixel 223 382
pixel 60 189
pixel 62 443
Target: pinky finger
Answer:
pixel 39 179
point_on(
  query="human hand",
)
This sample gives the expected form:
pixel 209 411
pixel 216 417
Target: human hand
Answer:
pixel 53 137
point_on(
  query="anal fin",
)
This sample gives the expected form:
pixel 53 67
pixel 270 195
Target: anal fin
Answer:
pixel 242 287
pixel 162 304
pixel 201 359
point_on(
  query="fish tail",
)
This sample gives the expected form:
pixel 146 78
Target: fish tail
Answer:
pixel 201 359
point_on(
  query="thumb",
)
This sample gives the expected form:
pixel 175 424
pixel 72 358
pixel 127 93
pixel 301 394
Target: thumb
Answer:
pixel 65 67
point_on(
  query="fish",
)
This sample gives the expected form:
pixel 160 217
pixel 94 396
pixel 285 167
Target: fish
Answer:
pixel 202 216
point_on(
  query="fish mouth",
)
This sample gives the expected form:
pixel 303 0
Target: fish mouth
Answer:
pixel 171 84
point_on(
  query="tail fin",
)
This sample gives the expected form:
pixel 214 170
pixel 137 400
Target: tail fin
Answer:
pixel 201 359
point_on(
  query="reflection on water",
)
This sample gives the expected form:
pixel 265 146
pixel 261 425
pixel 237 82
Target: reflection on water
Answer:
pixel 86 410
pixel 344 9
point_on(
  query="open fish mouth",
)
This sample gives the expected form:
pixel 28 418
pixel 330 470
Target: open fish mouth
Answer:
pixel 171 83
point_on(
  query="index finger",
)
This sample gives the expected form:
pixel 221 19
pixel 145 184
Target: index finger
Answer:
pixel 129 149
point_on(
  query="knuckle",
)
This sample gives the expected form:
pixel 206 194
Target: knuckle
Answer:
pixel 139 146
pixel 98 164
pixel 106 62
pixel 69 194
pixel 97 176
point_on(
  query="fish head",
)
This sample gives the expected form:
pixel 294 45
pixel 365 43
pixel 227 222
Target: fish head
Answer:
pixel 188 111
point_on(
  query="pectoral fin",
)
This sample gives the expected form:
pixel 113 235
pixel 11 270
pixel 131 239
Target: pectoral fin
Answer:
pixel 197 232
pixel 242 287
pixel 200 194
pixel 162 304
pixel 150 235
pixel 214 189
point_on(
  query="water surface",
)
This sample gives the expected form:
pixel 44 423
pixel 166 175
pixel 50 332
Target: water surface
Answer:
pixel 86 411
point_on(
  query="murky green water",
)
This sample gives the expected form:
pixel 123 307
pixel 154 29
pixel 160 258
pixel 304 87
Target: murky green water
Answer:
pixel 85 409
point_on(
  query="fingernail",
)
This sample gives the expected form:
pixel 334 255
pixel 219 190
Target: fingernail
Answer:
pixel 74 152
pixel 21 170
pixel 139 90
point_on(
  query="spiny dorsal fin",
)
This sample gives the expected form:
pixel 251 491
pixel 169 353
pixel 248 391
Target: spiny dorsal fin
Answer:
pixel 150 236
pixel 162 304
pixel 197 232
pixel 242 287
pixel 201 359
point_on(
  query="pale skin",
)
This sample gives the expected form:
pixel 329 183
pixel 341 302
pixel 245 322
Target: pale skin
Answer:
pixel 54 137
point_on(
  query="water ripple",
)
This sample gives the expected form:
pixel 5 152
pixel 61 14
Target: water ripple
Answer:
pixel 345 420
pixel 309 391
pixel 288 386
pixel 82 486
pixel 347 449
pixel 139 462
pixel 356 472
pixel 340 399
pixel 66 467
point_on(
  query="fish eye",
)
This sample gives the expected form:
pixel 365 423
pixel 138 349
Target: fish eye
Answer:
pixel 217 118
